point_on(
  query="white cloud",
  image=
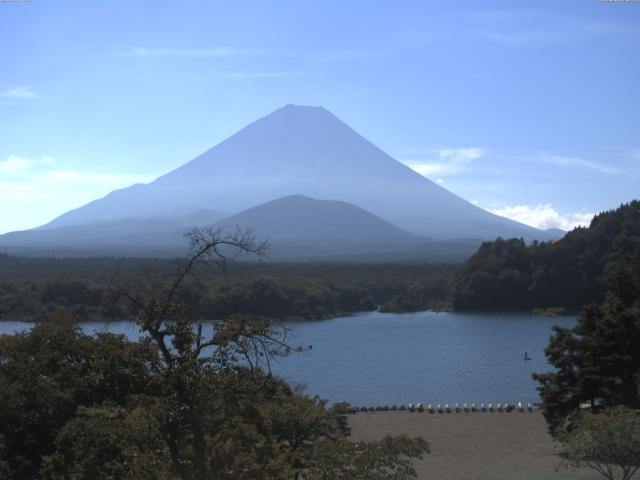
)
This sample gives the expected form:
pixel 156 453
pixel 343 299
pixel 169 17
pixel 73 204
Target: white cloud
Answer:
pixel 446 161
pixel 524 38
pixel 16 166
pixel 189 52
pixel 579 162
pixel 544 216
pixel 19 93
pixel 33 191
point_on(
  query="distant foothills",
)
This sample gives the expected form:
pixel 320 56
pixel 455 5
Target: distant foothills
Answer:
pixel 299 177
pixel 503 275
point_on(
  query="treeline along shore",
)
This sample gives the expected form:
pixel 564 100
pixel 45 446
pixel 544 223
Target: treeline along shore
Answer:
pixel 32 288
pixel 503 275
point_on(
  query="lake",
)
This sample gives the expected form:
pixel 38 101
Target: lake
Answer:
pixel 383 358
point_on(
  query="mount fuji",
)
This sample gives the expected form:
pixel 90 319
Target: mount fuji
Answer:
pixel 295 150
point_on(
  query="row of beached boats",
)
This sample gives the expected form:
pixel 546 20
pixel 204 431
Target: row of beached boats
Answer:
pixel 446 408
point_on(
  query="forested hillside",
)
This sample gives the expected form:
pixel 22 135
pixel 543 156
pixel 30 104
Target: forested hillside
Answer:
pixel 32 288
pixel 569 273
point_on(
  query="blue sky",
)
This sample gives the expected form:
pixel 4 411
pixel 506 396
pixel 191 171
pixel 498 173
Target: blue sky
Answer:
pixel 530 109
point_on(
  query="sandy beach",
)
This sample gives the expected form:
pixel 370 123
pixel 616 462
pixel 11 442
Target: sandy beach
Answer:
pixel 475 446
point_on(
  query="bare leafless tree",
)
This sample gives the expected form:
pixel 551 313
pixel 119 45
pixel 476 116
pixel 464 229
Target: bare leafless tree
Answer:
pixel 154 298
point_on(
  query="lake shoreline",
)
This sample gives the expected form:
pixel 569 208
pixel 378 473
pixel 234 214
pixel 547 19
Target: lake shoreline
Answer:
pixel 379 359
pixel 543 313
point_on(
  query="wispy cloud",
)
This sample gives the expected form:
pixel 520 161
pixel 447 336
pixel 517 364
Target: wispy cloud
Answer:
pixel 23 92
pixel 345 55
pixel 535 28
pixel 34 190
pixel 15 166
pixel 564 161
pixel 446 161
pixel 524 38
pixel 356 55
pixel 17 170
pixel 544 216
pixel 190 52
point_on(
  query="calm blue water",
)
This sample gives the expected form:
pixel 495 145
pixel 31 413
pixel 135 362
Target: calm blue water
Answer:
pixel 427 357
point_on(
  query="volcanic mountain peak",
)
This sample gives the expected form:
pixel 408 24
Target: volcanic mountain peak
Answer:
pixel 306 150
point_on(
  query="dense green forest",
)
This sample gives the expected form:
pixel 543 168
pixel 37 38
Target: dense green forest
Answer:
pixel 178 404
pixel 32 288
pixel 569 273
pixel 597 362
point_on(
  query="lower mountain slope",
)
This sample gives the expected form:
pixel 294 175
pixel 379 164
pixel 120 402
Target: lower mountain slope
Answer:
pixel 297 228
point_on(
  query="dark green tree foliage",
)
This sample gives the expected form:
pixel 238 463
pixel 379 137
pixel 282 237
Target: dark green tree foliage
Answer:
pixel 47 374
pixel 387 459
pixel 79 287
pixel 569 273
pixel 5 469
pixel 608 443
pixel 176 405
pixel 427 294
pixel 598 361
pixel 109 443
pixel 287 298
